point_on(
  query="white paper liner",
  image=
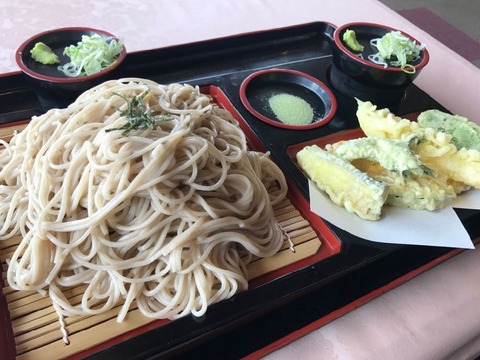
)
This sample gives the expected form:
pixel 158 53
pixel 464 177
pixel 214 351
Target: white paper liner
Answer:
pixel 400 225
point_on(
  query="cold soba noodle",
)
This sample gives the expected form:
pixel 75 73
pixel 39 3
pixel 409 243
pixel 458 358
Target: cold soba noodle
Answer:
pixel 168 217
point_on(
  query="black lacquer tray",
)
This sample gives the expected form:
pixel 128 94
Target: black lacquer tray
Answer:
pixel 254 319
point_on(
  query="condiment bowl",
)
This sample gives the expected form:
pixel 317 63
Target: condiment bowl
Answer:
pixel 52 85
pixel 273 95
pixel 361 69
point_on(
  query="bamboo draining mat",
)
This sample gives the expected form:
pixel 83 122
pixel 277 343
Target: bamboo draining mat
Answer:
pixel 35 323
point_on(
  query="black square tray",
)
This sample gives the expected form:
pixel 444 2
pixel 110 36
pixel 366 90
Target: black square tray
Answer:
pixel 251 320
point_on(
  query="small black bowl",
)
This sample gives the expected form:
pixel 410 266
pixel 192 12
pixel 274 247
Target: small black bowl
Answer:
pixel 365 71
pixel 52 86
pixel 259 87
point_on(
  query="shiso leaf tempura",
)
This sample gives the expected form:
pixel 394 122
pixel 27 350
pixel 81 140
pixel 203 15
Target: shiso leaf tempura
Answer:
pixel 465 133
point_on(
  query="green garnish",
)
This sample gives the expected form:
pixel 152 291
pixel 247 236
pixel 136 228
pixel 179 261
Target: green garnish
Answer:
pixel 350 39
pixel 398 48
pixel 91 55
pixel 44 54
pixel 138 118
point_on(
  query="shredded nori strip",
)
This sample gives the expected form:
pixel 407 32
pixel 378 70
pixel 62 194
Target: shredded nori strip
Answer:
pixel 138 118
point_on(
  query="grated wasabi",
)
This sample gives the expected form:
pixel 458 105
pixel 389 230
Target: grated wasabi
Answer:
pixel 290 109
pixel 44 54
pixel 350 39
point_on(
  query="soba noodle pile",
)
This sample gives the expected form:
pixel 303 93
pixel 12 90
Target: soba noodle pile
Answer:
pixel 167 217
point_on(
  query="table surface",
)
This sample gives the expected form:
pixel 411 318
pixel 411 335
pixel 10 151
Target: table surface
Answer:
pixel 434 315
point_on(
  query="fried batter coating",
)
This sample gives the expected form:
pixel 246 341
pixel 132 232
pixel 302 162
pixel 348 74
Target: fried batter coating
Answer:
pixel 395 155
pixel 345 185
pixel 418 192
pixel 435 149
pixel 465 134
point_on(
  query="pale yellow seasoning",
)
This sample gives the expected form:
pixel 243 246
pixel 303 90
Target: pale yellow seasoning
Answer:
pixel 290 109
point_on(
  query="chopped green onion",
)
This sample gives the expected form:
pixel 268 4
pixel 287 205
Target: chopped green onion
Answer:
pixel 399 49
pixel 408 68
pixel 91 55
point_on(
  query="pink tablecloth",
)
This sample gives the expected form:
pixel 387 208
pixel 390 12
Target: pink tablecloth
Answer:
pixel 156 23
pixel 433 316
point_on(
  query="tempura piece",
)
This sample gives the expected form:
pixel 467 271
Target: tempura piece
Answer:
pixel 418 192
pixel 435 149
pixel 395 155
pixel 345 185
pixel 382 123
pixel 465 134
pixel 395 163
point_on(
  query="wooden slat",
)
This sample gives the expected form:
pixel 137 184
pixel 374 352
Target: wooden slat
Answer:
pixel 97 333
pixel 283 258
pixel 6 133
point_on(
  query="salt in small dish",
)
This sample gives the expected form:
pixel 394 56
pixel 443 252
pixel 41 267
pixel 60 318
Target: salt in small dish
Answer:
pixel 277 96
